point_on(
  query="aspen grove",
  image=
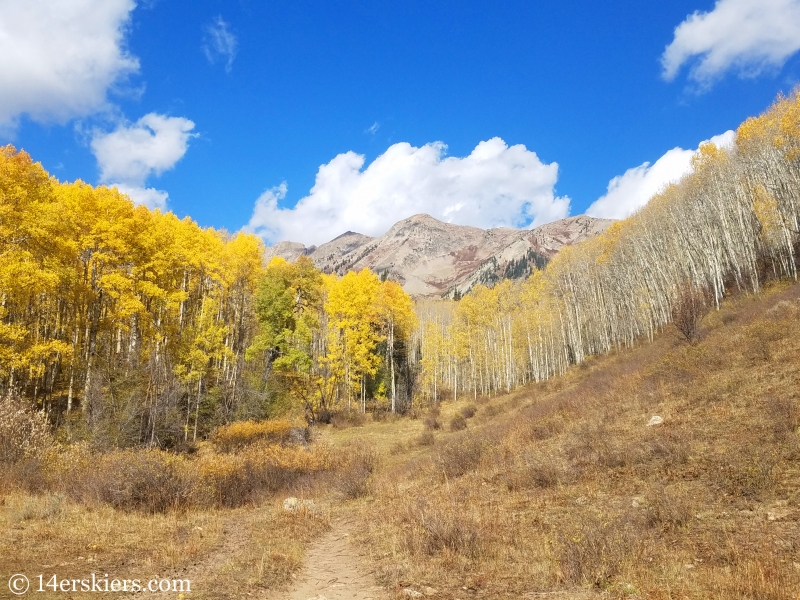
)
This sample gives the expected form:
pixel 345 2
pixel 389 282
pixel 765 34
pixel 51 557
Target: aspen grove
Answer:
pixel 731 224
pixel 128 326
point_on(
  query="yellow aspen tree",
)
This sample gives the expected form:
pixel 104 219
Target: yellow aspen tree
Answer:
pixel 397 318
pixel 353 329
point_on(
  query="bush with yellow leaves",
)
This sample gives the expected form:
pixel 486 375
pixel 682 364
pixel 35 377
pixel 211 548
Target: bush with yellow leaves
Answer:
pixel 236 479
pixel 234 436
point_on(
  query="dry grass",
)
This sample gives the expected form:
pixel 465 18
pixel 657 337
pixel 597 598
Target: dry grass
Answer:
pixel 426 438
pixel 563 488
pixel 52 534
pixel 458 423
pixel 459 455
pixel 595 551
pixel 352 478
pixel 468 411
pixel 226 554
pixel 348 418
pixel 139 514
pixel 264 551
pixel 119 512
pixel 390 438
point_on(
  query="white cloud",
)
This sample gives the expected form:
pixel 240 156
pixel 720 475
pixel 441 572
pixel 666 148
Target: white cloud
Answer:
pixel 130 154
pixel 629 192
pixel 746 36
pixel 58 58
pixel 149 197
pixel 373 129
pixel 496 185
pixel 220 43
pixel 151 145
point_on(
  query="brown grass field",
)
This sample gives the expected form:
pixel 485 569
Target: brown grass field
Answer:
pixel 558 490
pixel 563 490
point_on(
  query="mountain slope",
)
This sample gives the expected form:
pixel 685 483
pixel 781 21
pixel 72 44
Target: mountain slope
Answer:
pixel 570 488
pixel 432 258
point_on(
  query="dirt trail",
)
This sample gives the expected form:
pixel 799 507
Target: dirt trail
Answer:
pixel 234 536
pixel 332 568
pixel 334 571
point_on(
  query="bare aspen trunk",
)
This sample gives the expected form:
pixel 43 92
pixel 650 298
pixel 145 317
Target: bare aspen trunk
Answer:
pixel 391 360
pixel 197 408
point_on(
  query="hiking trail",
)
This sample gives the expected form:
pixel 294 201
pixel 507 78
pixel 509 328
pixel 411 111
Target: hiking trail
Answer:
pixel 333 570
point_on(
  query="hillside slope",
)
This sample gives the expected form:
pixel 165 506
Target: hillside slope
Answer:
pixel 432 258
pixel 563 490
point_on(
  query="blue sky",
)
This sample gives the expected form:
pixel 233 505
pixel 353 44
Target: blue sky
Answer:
pixel 225 111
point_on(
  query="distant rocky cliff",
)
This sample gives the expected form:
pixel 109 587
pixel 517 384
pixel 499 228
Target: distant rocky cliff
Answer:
pixel 432 258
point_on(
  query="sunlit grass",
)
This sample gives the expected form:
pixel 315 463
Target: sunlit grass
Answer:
pixel 563 487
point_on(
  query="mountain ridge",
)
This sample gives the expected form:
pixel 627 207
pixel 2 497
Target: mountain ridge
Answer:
pixel 432 258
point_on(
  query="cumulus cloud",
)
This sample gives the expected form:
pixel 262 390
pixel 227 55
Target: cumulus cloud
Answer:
pixel 58 58
pixel 130 154
pixel 149 197
pixel 496 185
pixel 220 44
pixel 629 192
pixel 746 36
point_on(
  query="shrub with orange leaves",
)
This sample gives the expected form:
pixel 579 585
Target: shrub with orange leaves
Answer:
pixel 234 436
pixel 236 479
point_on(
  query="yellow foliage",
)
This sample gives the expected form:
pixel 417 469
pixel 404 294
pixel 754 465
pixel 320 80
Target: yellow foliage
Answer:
pixel 707 154
pixel 242 433
pixel 84 273
pixel 779 127
pixel 765 207
pixel 720 226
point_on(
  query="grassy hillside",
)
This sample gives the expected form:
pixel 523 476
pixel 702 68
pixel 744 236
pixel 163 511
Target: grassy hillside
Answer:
pixel 563 490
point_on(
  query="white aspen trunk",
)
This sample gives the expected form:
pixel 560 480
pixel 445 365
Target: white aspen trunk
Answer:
pixel 197 408
pixel 391 360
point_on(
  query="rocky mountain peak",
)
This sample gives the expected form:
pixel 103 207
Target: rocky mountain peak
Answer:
pixel 432 258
